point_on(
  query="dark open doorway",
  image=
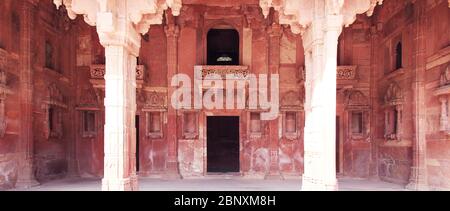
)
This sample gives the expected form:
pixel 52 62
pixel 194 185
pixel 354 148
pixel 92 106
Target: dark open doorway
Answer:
pixel 223 144
pixel 137 143
pixel 223 47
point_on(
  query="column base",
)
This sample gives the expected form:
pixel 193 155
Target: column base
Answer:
pixel 172 172
pixel 310 184
pixel 417 186
pixel 124 184
pixel 26 178
pixel 274 176
pixel 27 183
pixel 417 181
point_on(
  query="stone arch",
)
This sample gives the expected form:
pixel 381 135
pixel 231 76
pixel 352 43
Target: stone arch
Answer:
pixel 88 98
pixel 356 98
pixel 224 25
pixel 393 94
pixel 54 95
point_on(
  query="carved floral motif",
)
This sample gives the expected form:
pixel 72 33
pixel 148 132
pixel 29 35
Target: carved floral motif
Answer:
pixel 155 100
pixel 236 72
pixel 346 72
pixel 98 72
pixel 394 95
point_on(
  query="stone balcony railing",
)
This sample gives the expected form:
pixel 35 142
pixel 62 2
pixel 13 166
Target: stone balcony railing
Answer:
pixel 242 72
pixel 236 72
pixel 98 72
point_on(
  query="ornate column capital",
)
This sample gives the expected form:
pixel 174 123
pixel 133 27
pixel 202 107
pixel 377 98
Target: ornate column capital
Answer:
pixel 120 22
pixel 299 14
pixel 172 31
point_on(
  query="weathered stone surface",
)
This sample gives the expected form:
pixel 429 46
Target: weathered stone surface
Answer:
pixel 415 150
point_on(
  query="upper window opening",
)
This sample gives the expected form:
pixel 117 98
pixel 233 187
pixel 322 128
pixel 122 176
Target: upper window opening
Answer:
pixel 398 56
pixel 223 47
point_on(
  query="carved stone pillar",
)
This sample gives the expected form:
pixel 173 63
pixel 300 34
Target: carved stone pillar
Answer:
pixel 418 178
pixel 118 25
pixel 320 41
pixel 172 168
pixel 275 32
pixel 26 178
pixel 120 111
pixel 321 22
pixel 121 51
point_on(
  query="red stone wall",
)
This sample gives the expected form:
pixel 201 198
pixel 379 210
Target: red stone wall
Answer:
pixel 53 84
pixel 9 66
pixel 438 42
pixel 368 44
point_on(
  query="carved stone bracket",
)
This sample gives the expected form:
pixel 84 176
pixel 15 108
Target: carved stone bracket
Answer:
pixel 140 14
pixel 153 101
pixel 300 13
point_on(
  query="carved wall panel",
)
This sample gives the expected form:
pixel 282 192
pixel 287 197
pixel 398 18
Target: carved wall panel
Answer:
pixel 393 103
pixel 358 113
pixel 443 94
pixel 54 106
pixel 190 124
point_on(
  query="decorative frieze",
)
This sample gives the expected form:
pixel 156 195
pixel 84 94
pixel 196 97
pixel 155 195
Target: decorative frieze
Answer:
pixel 98 72
pixel 235 72
pixel 153 100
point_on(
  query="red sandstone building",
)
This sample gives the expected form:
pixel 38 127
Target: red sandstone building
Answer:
pixel 364 90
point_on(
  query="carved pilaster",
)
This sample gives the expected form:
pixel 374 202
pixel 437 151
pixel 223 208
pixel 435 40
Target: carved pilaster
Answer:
pixel 275 32
pixel 419 176
pixel 26 178
pixel 172 166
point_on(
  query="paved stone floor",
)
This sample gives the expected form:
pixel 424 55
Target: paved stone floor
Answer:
pixel 215 184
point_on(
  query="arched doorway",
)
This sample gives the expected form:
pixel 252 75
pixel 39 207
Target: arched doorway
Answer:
pixel 223 46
